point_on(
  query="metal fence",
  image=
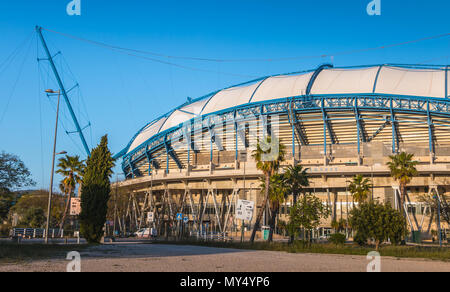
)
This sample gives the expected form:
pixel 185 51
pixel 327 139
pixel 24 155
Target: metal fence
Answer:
pixel 36 233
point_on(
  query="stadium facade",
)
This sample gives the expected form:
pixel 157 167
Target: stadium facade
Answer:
pixel 337 122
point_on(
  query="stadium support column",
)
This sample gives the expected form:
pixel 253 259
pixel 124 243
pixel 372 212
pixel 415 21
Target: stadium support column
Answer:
pixel 292 120
pixel 213 194
pixel 234 197
pixel 149 159
pixel 214 139
pixel 401 206
pixel 397 195
pixel 151 205
pixel 194 211
pixel 190 146
pixel 188 169
pixel 430 134
pixel 167 205
pixel 167 155
pixel 394 128
pixel 324 117
pixel 236 163
pixel 293 146
pixel 437 197
pixel 181 207
pixel 360 133
pixel 211 156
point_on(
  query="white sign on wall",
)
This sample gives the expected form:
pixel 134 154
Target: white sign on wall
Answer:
pixel 75 206
pixel 244 210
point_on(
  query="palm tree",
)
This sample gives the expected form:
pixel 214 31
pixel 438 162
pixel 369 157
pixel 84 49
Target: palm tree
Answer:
pixel 277 194
pixel 268 160
pixel 403 169
pixel 360 188
pixel 296 178
pixel 71 168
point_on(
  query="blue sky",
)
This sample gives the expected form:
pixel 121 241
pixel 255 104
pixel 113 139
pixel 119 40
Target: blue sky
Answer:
pixel 121 93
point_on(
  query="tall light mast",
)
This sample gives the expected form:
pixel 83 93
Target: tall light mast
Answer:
pixel 63 90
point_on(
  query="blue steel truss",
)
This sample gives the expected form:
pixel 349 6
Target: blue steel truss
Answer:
pixel 316 73
pixel 294 106
pixel 389 104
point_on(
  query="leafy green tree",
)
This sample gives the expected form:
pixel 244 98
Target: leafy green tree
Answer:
pixel 283 226
pixel 307 215
pixel 296 179
pixel 337 239
pixel 71 168
pixel 39 199
pixel 403 169
pixel 13 173
pixel 33 218
pixel 360 188
pixel 95 192
pixel 339 225
pixel 377 222
pixel 269 155
pixel 6 202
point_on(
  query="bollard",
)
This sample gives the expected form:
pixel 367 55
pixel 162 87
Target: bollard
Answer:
pixel 77 235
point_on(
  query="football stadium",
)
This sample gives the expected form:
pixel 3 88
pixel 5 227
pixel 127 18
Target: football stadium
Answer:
pixel 196 160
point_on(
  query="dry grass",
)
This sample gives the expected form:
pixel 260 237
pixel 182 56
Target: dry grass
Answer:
pixel 434 253
pixel 11 252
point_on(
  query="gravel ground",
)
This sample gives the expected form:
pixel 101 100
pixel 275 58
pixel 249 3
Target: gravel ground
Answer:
pixel 132 257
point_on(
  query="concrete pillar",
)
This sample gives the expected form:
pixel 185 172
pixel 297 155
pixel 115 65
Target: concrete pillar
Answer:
pixel 397 195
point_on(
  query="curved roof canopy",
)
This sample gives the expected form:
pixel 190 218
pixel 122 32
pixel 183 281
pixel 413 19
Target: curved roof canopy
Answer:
pixel 406 80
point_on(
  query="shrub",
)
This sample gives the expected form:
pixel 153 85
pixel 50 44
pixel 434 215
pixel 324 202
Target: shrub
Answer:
pixel 306 214
pixel 339 225
pixel 337 239
pixel 4 230
pixel 360 238
pixel 33 218
pixel 301 243
pixel 379 223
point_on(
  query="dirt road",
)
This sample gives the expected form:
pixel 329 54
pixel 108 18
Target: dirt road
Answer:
pixel 132 257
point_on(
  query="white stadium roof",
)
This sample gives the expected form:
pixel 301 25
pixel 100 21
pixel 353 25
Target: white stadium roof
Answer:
pixel 381 79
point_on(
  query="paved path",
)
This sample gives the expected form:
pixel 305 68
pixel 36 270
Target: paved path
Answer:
pixel 131 257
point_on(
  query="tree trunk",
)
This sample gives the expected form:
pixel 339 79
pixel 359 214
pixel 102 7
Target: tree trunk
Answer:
pixel 402 199
pixel 335 211
pixel 335 206
pixel 261 211
pixel 272 223
pixel 66 209
pixel 402 207
pixel 292 238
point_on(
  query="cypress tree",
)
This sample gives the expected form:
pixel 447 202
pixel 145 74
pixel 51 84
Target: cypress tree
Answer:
pixel 95 192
